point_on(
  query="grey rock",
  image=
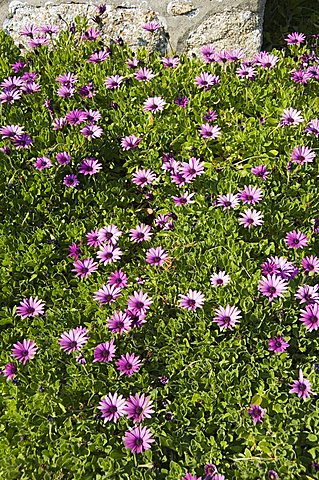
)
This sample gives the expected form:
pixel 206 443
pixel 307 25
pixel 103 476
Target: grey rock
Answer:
pixel 189 24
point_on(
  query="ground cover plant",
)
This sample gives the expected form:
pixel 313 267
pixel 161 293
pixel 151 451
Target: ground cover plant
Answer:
pixel 159 277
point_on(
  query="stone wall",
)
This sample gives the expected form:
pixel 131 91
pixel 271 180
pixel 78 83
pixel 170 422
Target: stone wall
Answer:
pixel 186 24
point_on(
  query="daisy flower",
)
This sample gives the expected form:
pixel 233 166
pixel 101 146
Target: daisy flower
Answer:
pixel 219 279
pixel 302 387
pixel 139 407
pixel 112 407
pixel 84 268
pixel 251 218
pixel 138 439
pixel 30 307
pixel 73 340
pixel 272 286
pixel 156 256
pixel 296 239
pixel 192 300
pixel 24 351
pixel 104 352
pixel 227 317
pixel 128 364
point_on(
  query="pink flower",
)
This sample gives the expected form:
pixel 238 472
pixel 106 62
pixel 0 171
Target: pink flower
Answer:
pixel 139 407
pixel 112 407
pixel 227 317
pixel 154 104
pixel 104 352
pixel 84 268
pixel 24 351
pixel 192 300
pixel 30 307
pixel 156 256
pixel 119 323
pixel 138 439
pixel 128 364
pixel 73 340
pixel 296 239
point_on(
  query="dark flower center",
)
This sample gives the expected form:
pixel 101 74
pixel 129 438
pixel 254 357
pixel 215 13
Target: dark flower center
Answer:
pixel 113 409
pixel 139 442
pixel 191 302
pixel 226 319
pixel 313 319
pixel 140 235
pixel 108 235
pixel 250 220
pixel 109 255
pixel 272 290
pixel 105 353
pixel 30 310
pixel 192 171
pixel 139 305
pixel 227 203
pixel 108 298
pixel 219 281
pixel 138 410
pixel 277 343
pixel 25 353
pixel 73 344
pixel 85 270
pixel 120 324
pixel 302 387
pixel 295 241
pixel 128 366
pixel 157 259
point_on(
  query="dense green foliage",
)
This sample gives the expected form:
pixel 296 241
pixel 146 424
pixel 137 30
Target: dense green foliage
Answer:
pixel 48 419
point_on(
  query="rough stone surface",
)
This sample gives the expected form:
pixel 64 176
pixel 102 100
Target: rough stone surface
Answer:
pixel 227 30
pixel 189 24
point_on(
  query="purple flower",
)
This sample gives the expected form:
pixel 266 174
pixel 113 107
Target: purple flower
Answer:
pixel 128 364
pixel 277 345
pixel 24 351
pixel 313 127
pixel 246 71
pixel 132 62
pixel 251 218
pixel 84 268
pixel 18 66
pixel 219 279
pixel 113 82
pixel 250 195
pixel 206 80
pixel 310 317
pixel 210 470
pixel 227 317
pixel 9 371
pixel 192 300
pixel 93 238
pixel 138 439
pixel 30 307
pixel 156 256
pixel 118 278
pixel 154 104
pixel 302 387
pixel 139 302
pixel 152 26
pixel 208 53
pixel 139 407
pixel 109 254
pixel 90 166
pixel 189 476
pixel 184 199
pixel 257 413
pixel 49 29
pixel 22 141
pixel 291 117
pixel 296 239
pixel 308 294
pixel 75 251
pixel 42 162
pixel 29 30
pixel 119 323
pixel 58 123
pixel 141 233
pixel 272 286
pixel 143 177
pixel 272 475
pixel 75 117
pixel 227 201
pixel 164 222
pixel 91 116
pixel 260 171
pixel 10 96
pixel 192 169
pixel 181 101
pixel 209 131
pixel 11 131
pixel 266 60
pixel 67 79
pixel 104 352
pixel 109 234
pixel 112 407
pixel 99 57
pixel 71 181
pixel 310 264
pixel 302 155
pixel 91 34
pixel 38 42
pixel 63 158
pixel 295 38
pixel 301 76
pixel 210 116
pixel 73 340
pixel 144 75
pixel 170 62
pixel 66 92
pixel 92 131
pixel 130 142
pixel 107 294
